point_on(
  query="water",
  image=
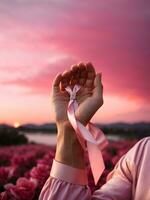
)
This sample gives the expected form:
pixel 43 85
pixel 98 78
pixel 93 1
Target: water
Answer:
pixel 42 138
pixel 50 139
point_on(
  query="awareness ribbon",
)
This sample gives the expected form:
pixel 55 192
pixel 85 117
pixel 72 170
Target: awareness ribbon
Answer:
pixel 91 138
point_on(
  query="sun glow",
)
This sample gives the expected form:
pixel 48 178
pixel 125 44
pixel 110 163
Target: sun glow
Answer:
pixel 16 124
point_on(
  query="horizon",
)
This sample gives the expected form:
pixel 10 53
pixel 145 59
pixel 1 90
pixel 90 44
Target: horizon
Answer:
pixel 41 38
pixel 40 124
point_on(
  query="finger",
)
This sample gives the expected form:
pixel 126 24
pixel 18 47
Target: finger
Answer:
pixel 83 73
pixel 65 79
pixel 74 75
pixel 56 83
pixel 90 75
pixel 98 87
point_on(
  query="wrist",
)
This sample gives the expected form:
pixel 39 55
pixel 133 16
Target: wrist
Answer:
pixel 63 125
pixel 69 150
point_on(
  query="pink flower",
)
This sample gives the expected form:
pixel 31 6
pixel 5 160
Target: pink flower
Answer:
pixel 4 158
pixel 39 175
pixel 115 159
pixel 4 196
pixel 14 172
pixel 46 160
pixel 23 190
pixel 3 175
pixel 25 161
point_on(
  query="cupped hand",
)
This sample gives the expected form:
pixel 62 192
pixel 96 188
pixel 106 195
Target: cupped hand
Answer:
pixel 89 97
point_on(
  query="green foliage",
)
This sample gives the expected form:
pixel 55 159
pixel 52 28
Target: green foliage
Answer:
pixel 11 136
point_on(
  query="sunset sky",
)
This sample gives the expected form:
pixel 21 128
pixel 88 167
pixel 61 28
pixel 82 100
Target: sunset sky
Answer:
pixel 39 38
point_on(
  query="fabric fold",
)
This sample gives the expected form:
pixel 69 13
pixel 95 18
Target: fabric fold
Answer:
pixel 91 138
pixel 68 173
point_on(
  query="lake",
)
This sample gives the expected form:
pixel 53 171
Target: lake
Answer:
pixel 42 138
pixel 50 139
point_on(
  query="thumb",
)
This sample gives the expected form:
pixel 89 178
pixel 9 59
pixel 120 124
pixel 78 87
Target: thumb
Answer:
pixel 98 88
pixel 56 83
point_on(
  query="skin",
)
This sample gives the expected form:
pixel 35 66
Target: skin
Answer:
pixel 89 98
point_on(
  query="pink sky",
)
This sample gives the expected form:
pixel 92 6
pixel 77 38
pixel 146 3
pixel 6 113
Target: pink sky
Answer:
pixel 39 38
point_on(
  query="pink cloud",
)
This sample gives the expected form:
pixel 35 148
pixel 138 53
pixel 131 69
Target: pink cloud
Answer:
pixel 40 83
pixel 41 38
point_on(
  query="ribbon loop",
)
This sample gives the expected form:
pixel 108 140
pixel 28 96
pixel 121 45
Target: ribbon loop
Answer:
pixel 91 138
pixel 73 92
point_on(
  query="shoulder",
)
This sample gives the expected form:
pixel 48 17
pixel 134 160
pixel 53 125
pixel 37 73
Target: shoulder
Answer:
pixel 132 160
pixel 141 145
pixel 143 141
pixel 139 151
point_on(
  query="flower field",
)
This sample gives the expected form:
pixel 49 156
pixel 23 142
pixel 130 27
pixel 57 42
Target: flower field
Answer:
pixel 24 169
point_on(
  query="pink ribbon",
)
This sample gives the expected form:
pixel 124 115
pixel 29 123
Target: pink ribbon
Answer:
pixel 91 138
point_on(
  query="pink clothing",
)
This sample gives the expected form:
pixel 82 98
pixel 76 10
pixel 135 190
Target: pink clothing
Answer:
pixel 130 179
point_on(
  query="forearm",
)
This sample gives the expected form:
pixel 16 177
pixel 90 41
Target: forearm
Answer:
pixel 69 150
pixel 70 153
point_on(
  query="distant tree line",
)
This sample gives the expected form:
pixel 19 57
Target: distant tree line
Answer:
pixel 11 136
pixel 127 133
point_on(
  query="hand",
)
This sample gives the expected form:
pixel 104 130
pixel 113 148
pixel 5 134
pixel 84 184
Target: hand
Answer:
pixel 89 97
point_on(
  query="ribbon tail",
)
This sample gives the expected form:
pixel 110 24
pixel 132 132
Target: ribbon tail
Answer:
pixel 73 121
pixel 94 146
pixel 98 135
pixel 96 161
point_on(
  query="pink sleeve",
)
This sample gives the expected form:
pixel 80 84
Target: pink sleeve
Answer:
pixel 56 189
pixel 68 183
pixel 119 183
pixel 65 183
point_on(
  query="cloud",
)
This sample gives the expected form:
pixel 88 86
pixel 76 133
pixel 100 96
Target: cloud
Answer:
pixel 113 35
pixel 40 83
